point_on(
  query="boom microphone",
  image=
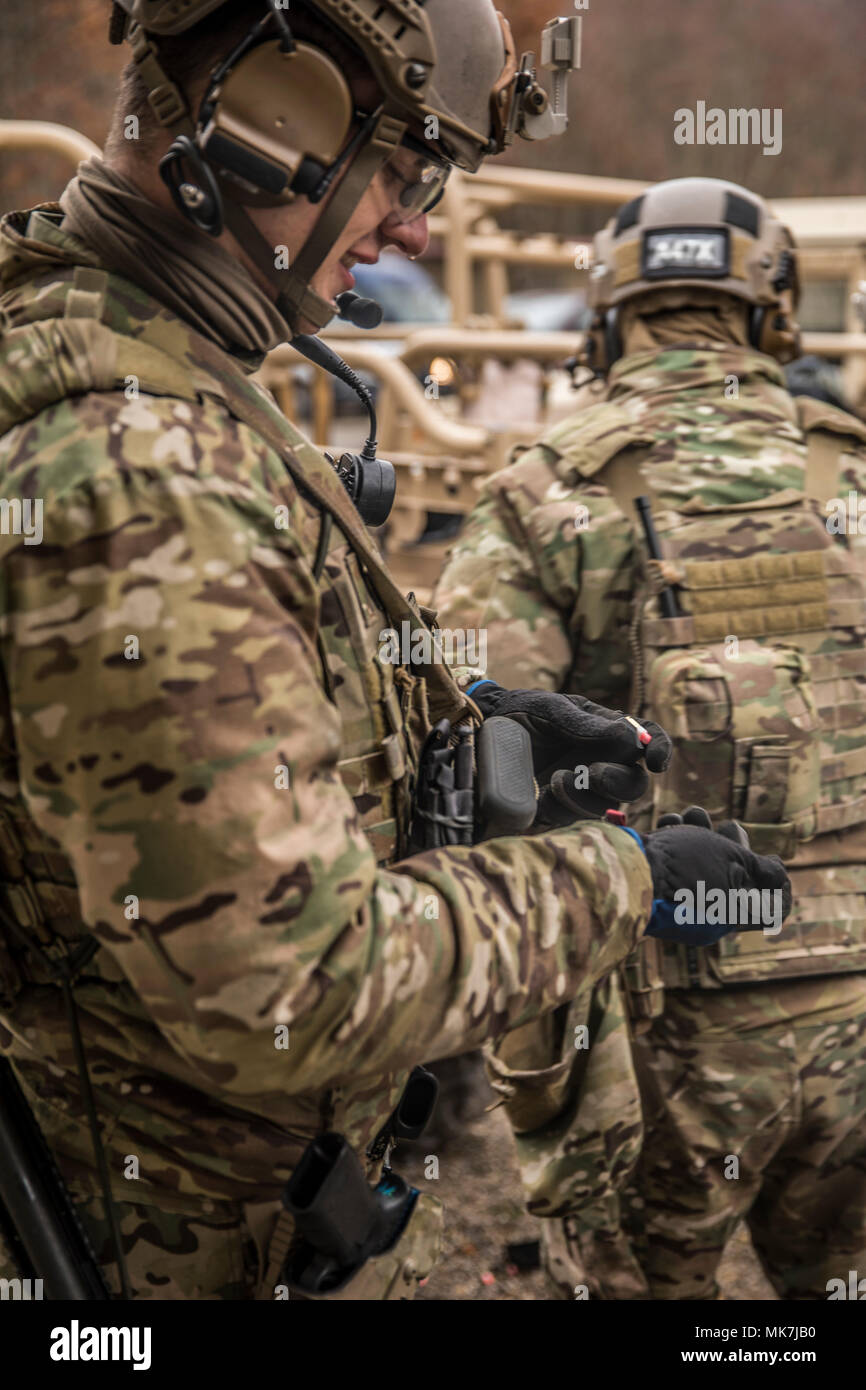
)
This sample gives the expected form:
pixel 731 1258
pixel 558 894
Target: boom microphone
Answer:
pixel 363 313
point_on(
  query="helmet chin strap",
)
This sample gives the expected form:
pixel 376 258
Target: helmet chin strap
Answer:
pixel 295 299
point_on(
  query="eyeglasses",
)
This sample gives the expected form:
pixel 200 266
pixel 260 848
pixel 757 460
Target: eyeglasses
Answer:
pixel 414 179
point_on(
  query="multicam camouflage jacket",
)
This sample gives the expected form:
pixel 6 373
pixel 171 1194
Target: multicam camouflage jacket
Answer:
pixel 206 766
pixel 762 680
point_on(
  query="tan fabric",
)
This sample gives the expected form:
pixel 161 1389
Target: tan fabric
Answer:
pixel 181 267
pixel 671 316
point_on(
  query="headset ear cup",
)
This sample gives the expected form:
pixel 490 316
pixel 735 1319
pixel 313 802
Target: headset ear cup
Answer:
pixel 277 123
pixel 612 339
pixel 757 320
pixel 592 354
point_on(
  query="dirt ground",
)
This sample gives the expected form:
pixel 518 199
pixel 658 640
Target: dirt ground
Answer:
pixel 479 1185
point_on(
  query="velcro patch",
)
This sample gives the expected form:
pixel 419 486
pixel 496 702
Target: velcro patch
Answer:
pixel 685 251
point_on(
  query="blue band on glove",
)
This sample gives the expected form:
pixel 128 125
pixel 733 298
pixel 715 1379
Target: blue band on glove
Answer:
pixel 634 835
pixel 476 684
pixel 663 924
pixel 662 921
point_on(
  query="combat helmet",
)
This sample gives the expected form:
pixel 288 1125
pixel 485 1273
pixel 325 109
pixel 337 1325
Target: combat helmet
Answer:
pixel 694 233
pixel 278 120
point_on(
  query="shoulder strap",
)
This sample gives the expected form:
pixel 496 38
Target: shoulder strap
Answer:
pixel 830 433
pixel 822 464
pixel 316 478
pixel 86 299
pixel 624 478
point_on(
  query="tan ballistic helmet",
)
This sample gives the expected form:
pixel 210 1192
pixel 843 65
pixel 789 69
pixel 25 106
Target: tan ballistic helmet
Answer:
pixel 402 41
pixel 279 118
pixel 703 233
pixel 696 232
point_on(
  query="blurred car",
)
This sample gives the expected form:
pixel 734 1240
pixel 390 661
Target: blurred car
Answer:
pixel 408 293
pixel 549 311
pixel 406 290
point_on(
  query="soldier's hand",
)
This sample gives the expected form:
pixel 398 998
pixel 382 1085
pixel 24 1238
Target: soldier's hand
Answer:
pixel 586 758
pixel 704 881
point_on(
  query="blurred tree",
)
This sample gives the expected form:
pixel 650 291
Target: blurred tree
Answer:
pixel 55 65
pixel 642 60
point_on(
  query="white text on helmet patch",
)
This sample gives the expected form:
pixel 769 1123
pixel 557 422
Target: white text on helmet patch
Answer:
pixel 696 253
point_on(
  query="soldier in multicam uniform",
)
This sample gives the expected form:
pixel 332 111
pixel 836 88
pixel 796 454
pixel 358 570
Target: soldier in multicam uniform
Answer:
pixel 753 1077
pixel 208 769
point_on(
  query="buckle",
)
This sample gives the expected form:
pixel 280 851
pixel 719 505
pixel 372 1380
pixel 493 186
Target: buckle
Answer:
pixel 388 131
pixel 167 103
pixel 164 95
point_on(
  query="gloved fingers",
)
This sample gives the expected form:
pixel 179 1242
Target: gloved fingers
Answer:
pixel 696 815
pixel 557 721
pixel 766 871
pixel 617 745
pixel 669 818
pixel 732 830
pixel 616 783
pixel 555 812
pixel 567 730
pixel 590 707
pixel 551 814
pixel 598 787
pixel 560 805
pixel 578 800
pixel 609 739
pixel 701 861
pixel 659 751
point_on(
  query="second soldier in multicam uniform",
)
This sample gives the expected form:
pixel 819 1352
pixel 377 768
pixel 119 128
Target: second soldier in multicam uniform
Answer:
pixel 207 767
pixel 748 1062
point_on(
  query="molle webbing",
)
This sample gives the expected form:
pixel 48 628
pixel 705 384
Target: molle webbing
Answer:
pixel 753 596
pixel 761 679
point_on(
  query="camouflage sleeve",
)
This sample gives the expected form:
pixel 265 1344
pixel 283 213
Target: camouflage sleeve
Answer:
pixel 542 570
pixel 160 654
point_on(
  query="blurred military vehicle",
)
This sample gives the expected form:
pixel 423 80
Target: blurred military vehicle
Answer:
pixel 466 367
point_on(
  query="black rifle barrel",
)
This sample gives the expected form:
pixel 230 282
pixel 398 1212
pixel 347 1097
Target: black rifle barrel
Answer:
pixel 667 598
pixel 38 1204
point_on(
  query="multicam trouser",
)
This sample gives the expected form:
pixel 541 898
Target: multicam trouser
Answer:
pixel 223 1254
pixel 755 1108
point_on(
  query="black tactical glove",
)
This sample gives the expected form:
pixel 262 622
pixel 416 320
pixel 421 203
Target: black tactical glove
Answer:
pixel 585 757
pixel 697 873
